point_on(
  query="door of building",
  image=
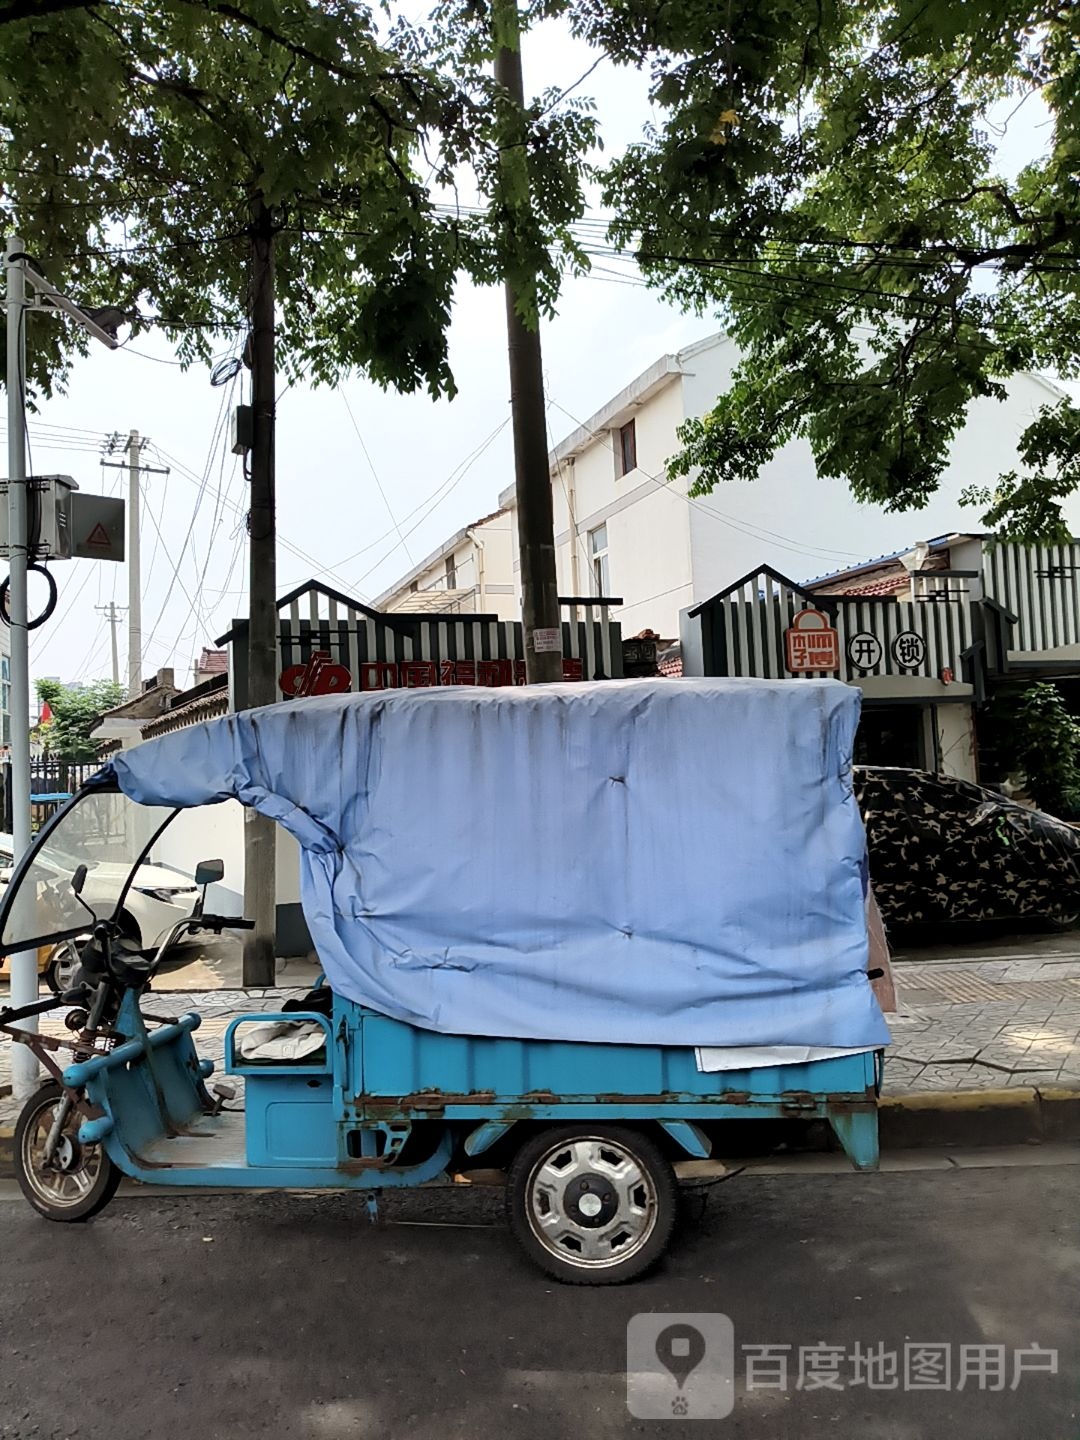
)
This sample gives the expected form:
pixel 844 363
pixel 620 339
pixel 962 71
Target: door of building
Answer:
pixel 891 735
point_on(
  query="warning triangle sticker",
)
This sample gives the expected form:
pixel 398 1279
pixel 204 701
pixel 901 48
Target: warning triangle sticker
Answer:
pixel 99 538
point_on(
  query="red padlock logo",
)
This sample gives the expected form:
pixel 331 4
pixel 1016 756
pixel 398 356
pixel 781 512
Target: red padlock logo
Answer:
pixel 811 643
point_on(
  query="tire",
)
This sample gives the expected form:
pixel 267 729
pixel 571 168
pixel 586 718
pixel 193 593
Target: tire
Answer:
pixel 62 967
pixel 565 1168
pixel 89 1178
pixel 1061 924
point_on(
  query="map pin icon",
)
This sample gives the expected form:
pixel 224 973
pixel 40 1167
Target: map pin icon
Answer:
pixel 680 1349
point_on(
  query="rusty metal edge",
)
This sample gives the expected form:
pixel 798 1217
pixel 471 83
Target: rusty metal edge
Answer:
pixel 918 1119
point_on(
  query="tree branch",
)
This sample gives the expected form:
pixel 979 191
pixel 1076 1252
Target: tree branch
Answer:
pixel 36 9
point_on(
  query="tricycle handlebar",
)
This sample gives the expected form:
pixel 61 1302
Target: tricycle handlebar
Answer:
pixel 223 922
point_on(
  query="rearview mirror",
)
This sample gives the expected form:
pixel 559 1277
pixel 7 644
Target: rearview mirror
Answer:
pixel 209 872
pixel 78 880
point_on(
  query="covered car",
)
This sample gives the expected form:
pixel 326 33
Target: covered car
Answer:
pixel 943 850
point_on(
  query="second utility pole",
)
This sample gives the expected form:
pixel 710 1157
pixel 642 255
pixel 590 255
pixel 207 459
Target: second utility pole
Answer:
pixel 112 615
pixel 260 898
pixel 134 571
pixel 540 615
pixel 135 469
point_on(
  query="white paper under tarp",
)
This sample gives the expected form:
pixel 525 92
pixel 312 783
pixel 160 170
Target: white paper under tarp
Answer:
pixel 673 862
pixel 712 1059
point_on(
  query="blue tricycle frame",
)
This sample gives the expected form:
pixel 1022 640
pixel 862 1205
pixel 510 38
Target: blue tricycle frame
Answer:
pixel 342 1123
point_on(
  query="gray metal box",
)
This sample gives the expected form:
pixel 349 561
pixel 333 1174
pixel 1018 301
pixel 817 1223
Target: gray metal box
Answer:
pixel 65 522
pixel 96 527
pixel 47 515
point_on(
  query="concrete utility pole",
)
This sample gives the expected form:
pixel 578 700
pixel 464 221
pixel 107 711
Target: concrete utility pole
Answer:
pixel 260 890
pixel 26 290
pixel 135 469
pixel 540 615
pixel 134 571
pixel 112 613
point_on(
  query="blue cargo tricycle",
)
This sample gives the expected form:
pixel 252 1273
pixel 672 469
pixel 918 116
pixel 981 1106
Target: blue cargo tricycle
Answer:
pixel 592 1137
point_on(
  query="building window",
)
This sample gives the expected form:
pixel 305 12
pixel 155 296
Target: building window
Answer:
pixel 598 555
pixel 414 587
pixel 451 573
pixel 625 448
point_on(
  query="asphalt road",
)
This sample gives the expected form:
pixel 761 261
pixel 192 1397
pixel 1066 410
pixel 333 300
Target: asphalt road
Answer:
pixel 291 1316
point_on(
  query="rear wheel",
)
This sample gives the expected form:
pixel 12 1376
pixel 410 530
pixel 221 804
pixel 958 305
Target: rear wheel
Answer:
pixel 80 1181
pixel 592 1204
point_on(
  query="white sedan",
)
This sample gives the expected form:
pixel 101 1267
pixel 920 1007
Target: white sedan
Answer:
pixel 157 899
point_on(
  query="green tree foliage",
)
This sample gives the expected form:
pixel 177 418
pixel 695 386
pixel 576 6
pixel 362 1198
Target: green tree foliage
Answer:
pixel 142 143
pixel 823 174
pixel 1031 732
pixel 76 710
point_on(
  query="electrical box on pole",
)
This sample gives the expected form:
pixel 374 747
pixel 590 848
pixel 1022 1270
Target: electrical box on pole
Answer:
pixel 243 429
pixel 66 524
pixel 96 527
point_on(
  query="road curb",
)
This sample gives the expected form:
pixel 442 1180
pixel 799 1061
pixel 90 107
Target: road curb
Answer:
pixel 917 1120
pixel 1024 1115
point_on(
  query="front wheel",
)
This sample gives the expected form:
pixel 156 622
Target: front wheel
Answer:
pixel 81 1179
pixel 592 1204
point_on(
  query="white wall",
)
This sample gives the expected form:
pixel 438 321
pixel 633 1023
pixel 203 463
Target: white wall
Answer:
pixel 956 740
pixel 667 552
pixel 648 522
pixel 806 526
pixel 485 579
pixel 216 832
pixel 212 832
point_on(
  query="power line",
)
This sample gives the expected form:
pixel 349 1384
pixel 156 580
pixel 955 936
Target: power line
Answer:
pixel 431 503
pixel 320 568
pixel 202 484
pixel 461 476
pixel 374 473
pixel 755 532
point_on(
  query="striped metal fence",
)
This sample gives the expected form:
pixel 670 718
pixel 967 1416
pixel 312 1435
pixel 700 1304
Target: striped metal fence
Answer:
pixel 744 632
pixel 389 650
pixel 1040 585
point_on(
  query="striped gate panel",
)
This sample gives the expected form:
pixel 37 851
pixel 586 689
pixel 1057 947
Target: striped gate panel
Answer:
pixel 1040 585
pixel 356 641
pixel 751 622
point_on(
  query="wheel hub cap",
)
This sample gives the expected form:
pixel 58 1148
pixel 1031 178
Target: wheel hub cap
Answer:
pixel 591 1203
pixel 69 1177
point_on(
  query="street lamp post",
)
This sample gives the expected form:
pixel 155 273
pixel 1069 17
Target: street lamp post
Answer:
pixel 22 278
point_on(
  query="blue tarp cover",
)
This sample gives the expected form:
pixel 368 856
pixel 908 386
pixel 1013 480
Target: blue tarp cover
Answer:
pixel 674 862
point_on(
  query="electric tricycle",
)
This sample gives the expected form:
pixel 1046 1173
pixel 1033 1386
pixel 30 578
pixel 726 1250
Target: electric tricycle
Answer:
pixel 327 1093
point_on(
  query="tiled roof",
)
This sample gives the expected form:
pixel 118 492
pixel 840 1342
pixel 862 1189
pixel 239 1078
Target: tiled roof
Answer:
pixel 213 662
pixel 202 703
pixel 889 586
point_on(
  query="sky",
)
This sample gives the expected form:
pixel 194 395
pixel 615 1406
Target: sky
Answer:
pixel 369 482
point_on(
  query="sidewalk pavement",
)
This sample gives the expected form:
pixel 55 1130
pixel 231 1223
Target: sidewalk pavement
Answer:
pixel 971 1028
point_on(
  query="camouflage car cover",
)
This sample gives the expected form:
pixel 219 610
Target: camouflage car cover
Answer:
pixel 944 850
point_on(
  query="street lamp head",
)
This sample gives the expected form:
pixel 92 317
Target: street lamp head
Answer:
pixel 107 317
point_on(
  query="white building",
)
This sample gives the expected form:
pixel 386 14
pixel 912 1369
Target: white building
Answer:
pixel 622 529
pixel 472 573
